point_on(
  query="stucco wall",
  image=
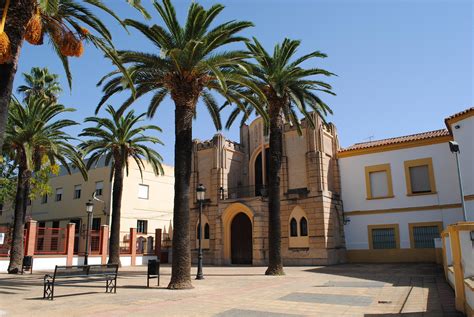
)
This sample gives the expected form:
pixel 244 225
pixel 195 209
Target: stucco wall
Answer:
pixel 69 207
pixel 463 132
pixel 356 230
pixel 158 208
pixel 352 171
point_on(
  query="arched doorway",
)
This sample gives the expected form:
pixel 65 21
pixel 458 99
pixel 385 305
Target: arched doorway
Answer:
pixel 241 239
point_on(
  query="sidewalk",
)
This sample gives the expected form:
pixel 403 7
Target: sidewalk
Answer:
pixel 343 290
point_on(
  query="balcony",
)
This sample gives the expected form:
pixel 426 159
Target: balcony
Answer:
pixel 242 192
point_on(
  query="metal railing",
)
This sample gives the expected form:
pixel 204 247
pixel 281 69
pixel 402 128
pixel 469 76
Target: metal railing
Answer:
pixel 145 244
pixel 96 242
pixel 50 241
pixel 125 247
pixel 242 192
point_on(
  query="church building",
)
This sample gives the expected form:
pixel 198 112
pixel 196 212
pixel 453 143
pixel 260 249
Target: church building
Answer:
pixel 235 214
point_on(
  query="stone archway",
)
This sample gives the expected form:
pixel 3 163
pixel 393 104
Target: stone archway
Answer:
pixel 227 219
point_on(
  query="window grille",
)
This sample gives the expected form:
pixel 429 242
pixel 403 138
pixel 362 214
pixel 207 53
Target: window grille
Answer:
pixel 424 236
pixel 384 238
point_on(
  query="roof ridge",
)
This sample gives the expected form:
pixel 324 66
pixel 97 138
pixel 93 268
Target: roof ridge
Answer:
pixel 398 140
pixel 402 136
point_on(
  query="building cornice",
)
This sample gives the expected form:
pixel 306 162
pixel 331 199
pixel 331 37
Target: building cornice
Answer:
pixel 397 210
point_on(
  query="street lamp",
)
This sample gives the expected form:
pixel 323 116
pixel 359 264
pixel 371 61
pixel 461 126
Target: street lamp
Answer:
pixel 200 194
pixel 454 147
pixel 89 210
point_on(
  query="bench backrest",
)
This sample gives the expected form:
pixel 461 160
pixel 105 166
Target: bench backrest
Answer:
pixel 79 270
pixel 106 269
pixel 85 270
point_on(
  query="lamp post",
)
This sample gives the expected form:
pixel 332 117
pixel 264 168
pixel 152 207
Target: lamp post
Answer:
pixel 454 147
pixel 89 210
pixel 200 193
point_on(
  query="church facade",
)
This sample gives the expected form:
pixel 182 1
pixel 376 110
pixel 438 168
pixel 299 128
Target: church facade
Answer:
pixel 235 213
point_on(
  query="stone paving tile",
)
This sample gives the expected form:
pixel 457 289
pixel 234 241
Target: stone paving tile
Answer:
pixel 335 299
pixel 395 290
pixel 252 313
pixel 358 284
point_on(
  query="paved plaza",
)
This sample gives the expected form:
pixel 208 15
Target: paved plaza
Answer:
pixel 341 290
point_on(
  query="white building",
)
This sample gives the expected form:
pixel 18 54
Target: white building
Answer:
pixel 400 193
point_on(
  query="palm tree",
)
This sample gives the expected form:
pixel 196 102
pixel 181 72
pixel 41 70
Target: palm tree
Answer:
pixel 119 139
pixel 63 22
pixel 190 65
pixel 40 82
pixel 289 88
pixel 34 136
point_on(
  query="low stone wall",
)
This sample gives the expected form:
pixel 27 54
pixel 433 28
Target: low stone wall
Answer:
pixel 458 262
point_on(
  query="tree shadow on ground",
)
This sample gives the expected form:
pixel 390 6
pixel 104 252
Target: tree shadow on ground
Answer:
pixel 426 275
pixel 62 296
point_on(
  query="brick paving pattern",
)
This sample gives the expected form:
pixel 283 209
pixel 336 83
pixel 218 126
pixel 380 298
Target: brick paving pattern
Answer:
pixel 342 290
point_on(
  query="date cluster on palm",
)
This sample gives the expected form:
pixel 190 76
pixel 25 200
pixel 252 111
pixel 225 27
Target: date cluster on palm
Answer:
pixel 5 47
pixel 34 30
pixel 69 44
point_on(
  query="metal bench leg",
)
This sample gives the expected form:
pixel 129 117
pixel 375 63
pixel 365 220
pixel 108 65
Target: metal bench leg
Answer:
pixel 48 290
pixel 111 285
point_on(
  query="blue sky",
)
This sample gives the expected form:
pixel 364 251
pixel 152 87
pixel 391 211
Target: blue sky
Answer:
pixel 402 65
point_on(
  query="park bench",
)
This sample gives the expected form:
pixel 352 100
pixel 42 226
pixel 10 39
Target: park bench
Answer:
pixel 81 273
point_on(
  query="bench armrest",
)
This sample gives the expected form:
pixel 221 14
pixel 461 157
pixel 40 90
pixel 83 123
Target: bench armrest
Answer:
pixel 47 277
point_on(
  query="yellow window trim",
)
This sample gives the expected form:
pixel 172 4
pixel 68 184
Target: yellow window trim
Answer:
pixel 385 226
pixel 420 162
pixel 378 168
pixel 411 226
pixel 469 197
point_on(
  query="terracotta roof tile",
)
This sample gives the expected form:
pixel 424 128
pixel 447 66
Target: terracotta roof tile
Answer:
pixel 397 140
pixel 468 110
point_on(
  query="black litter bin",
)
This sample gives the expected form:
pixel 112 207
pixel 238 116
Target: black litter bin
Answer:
pixel 27 264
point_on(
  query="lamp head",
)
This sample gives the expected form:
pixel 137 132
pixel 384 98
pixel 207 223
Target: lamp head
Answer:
pixel 200 192
pixel 454 146
pixel 89 206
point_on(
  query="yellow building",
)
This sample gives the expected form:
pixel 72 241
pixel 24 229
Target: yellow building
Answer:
pixel 147 204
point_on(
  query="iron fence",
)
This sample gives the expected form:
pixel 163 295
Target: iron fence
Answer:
pixel 50 241
pixel 96 242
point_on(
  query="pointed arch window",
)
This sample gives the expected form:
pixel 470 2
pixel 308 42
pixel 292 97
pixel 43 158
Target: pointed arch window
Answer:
pixel 206 231
pixel 293 228
pixel 303 227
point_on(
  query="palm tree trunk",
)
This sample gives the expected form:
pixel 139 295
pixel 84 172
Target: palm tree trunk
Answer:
pixel 19 14
pixel 17 247
pixel 114 243
pixel 275 266
pixel 181 263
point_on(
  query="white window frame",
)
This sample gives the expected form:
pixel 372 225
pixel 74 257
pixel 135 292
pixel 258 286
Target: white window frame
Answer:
pixel 140 186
